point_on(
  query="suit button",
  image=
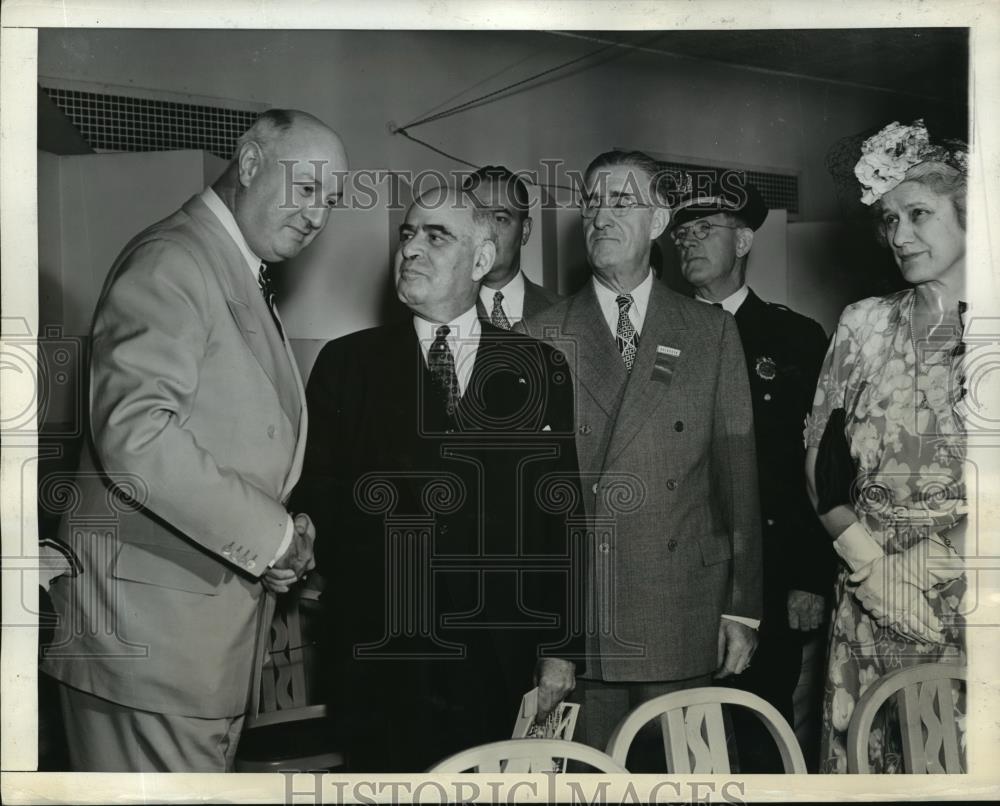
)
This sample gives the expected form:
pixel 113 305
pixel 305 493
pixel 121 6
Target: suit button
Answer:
pixel 678 426
pixel 604 548
pixel 671 484
pixel 444 528
pixel 671 544
pixel 594 488
pixel 270 432
pixel 770 521
pixel 450 431
pixel 585 429
pixel 251 564
pixel 767 396
pixel 226 552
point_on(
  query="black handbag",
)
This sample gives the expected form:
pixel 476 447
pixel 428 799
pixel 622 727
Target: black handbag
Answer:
pixel 835 468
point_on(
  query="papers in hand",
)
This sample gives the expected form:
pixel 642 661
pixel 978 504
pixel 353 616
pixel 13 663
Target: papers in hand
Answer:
pixel 558 725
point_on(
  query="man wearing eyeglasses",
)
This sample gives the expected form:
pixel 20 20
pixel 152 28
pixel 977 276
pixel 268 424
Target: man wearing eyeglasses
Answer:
pixel 665 444
pixel 713 232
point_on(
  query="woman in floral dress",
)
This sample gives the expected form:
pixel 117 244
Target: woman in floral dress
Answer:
pixel 890 383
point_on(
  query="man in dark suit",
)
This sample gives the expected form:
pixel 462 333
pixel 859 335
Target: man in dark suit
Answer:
pixel 713 230
pixel 507 296
pixel 665 443
pixel 438 456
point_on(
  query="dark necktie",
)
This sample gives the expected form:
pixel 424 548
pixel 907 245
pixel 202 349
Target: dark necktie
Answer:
pixel 441 363
pixel 628 339
pixel 498 317
pixel 266 286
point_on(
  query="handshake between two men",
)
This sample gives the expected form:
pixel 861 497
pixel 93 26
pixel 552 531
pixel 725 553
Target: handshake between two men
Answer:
pixel 297 561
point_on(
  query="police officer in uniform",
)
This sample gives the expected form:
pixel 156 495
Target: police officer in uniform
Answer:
pixel 713 231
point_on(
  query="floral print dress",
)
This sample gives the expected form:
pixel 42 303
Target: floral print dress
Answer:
pixel 909 445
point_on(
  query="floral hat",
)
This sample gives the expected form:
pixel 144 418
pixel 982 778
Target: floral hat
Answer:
pixel 888 155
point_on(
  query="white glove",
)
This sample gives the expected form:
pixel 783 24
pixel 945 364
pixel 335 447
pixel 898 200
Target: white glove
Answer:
pixel 857 547
pixel 892 591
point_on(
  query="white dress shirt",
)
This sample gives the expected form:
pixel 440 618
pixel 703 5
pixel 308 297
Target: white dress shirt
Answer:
pixel 513 298
pixel 225 216
pixel 732 302
pixel 607 299
pixel 463 341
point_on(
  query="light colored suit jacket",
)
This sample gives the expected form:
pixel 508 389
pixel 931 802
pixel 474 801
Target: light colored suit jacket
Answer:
pixel 669 479
pixel 197 412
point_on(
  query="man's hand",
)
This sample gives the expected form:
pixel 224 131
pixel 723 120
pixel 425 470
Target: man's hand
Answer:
pixel 296 562
pixel 893 595
pixel 737 643
pixel 805 610
pixel 555 679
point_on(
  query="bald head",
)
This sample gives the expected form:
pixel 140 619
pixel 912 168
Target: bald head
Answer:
pixel 288 171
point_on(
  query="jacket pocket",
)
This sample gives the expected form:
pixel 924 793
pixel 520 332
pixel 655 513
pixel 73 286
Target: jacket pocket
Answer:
pixel 715 549
pixel 176 569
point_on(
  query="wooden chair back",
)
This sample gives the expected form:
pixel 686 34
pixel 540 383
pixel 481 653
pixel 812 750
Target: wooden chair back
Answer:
pixel 694 734
pixel 925 697
pixel 524 756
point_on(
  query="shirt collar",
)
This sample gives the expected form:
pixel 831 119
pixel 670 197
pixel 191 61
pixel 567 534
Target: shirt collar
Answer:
pixel 608 300
pixel 513 298
pixel 732 302
pixel 225 216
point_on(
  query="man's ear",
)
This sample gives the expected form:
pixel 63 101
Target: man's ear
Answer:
pixel 744 240
pixel 661 217
pixel 250 161
pixel 525 230
pixel 483 259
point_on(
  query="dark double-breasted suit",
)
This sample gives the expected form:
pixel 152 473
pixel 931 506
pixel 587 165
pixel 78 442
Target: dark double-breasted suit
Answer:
pixel 442 538
pixel 667 460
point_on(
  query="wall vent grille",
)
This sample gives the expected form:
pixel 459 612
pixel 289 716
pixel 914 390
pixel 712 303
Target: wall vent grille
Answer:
pixel 110 122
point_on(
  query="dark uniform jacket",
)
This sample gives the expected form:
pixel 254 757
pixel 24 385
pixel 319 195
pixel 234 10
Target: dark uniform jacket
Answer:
pixel 784 351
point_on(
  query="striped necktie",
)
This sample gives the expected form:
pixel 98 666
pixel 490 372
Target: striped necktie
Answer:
pixel 628 339
pixel 498 317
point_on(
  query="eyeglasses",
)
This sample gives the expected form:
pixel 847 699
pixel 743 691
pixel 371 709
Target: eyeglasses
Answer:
pixel 619 205
pixel 699 230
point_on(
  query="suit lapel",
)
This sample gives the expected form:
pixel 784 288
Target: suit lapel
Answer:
pixel 648 383
pixel 534 301
pixel 253 318
pixel 599 365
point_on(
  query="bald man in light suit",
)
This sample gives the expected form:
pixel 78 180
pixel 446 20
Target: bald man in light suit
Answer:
pixel 197 413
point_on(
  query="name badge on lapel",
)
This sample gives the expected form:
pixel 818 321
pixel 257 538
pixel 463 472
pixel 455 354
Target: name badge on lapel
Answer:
pixel 666 361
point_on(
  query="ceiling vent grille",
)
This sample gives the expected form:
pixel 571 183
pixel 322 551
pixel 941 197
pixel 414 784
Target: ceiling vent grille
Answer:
pixel 112 122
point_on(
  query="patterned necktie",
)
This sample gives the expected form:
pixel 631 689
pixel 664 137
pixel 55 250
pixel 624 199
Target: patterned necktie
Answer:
pixel 498 317
pixel 628 339
pixel 266 286
pixel 441 363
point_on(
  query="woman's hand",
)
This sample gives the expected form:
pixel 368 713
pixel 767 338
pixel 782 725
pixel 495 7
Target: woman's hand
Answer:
pixel 887 589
